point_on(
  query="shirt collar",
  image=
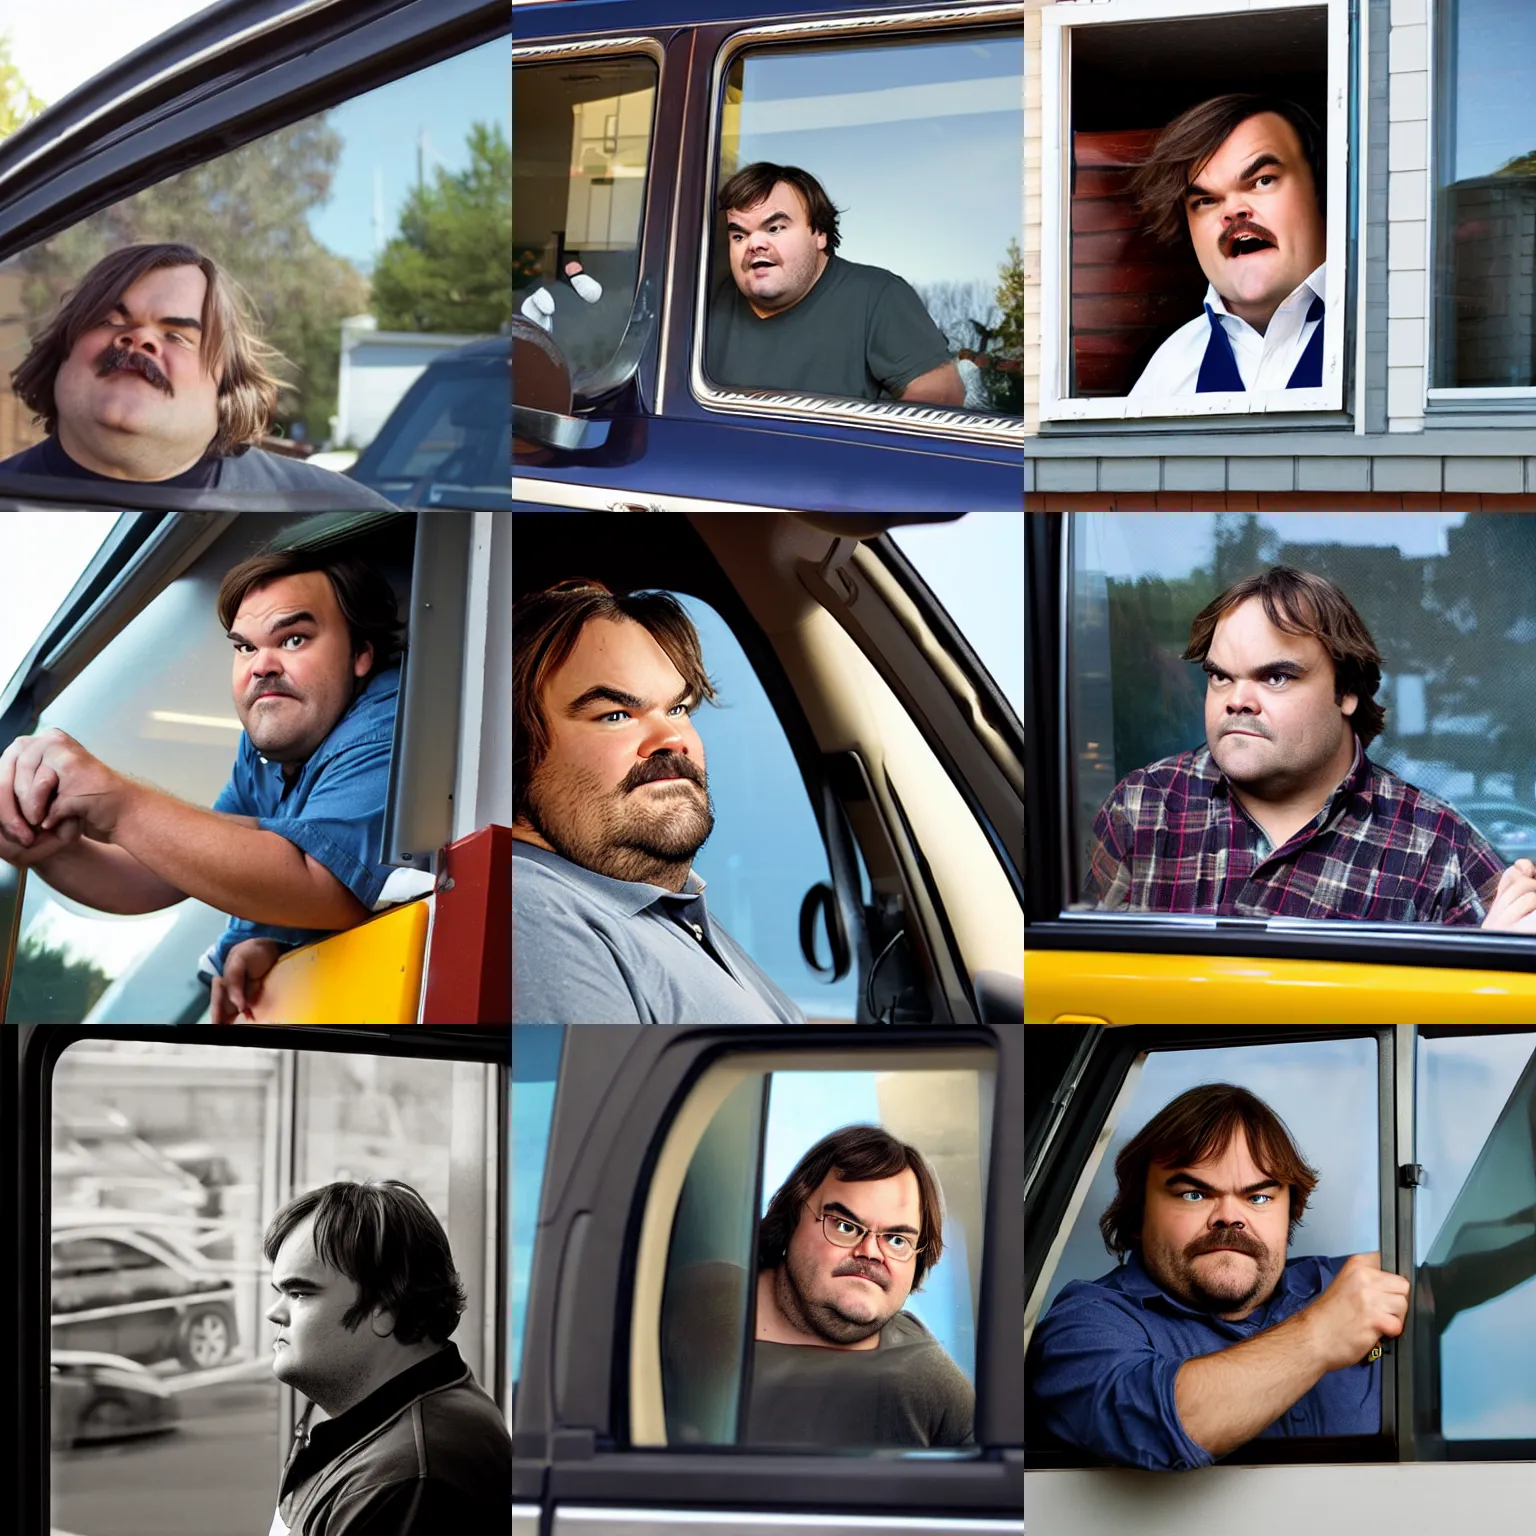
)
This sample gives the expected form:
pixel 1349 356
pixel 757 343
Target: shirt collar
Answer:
pixel 626 898
pixel 1309 288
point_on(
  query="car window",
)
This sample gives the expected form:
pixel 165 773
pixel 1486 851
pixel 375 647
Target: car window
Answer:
pixel 535 1076
pixel 916 135
pixel 1475 1238
pixel 367 223
pixel 766 851
pixel 1446 597
pixel 579 180
pixel 159 1338
pixel 760 1126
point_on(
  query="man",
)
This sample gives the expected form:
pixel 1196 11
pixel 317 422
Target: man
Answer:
pixel 1281 813
pixel 801 318
pixel 152 371
pixel 1208 1336
pixel 836 1361
pixel 611 803
pixel 291 846
pixel 406 1443
pixel 1242 176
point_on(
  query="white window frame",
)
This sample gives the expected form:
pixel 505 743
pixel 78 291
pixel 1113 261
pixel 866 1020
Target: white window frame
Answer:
pixel 1056 263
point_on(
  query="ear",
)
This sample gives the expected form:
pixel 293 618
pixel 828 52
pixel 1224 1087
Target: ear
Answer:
pixel 1349 703
pixel 363 660
pixel 821 240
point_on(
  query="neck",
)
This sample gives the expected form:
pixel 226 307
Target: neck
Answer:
pixel 402 1358
pixel 125 457
pixel 633 867
pixel 1284 814
pixel 780 1319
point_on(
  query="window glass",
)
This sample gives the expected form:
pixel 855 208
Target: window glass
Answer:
pixel 921 137
pixel 1485 294
pixel 1475 1235
pixel 766 850
pixel 535 1074
pixel 1446 596
pixel 757 1136
pixel 161 1266
pixel 1325 1092
pixel 369 238
pixel 583 137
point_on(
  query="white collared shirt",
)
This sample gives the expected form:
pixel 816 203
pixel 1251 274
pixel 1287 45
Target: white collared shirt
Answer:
pixel 1264 361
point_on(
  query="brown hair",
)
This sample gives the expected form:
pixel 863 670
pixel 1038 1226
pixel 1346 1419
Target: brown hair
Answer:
pixel 1300 603
pixel 231 349
pixel 1161 181
pixel 856 1153
pixel 545 628
pixel 383 1236
pixel 1201 1123
pixel 365 597
pixel 752 183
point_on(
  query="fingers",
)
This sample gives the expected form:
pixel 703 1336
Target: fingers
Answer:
pixel 12 823
pixel 218 1009
pixel 36 785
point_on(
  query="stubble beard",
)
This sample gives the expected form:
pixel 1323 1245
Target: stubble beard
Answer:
pixel 1176 1273
pixel 791 1285
pixel 584 824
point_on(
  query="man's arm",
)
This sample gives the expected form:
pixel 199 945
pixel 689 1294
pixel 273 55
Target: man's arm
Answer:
pixel 230 863
pixel 939 386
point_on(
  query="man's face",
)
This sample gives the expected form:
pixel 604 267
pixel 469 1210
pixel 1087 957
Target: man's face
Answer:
pixel 293 670
pixel 134 395
pixel 1271 721
pixel 1253 217
pixel 775 254
pixel 1214 1234
pixel 848 1294
pixel 623 789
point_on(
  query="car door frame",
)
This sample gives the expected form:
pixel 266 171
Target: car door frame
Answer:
pixel 618 1089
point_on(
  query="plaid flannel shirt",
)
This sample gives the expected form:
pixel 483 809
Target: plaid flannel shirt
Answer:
pixel 1173 838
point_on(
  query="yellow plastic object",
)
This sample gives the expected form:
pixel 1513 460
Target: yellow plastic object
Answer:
pixel 1067 985
pixel 370 974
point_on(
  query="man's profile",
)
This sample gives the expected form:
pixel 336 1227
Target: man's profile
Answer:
pixel 611 803
pixel 1206 1336
pixel 290 847
pixel 398 1439
pixel 850 1234
pixel 152 371
pixel 1281 813
pixel 796 316
pixel 1241 177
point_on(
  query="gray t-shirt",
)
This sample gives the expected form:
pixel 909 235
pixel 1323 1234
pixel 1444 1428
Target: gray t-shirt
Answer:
pixel 587 949
pixel 860 332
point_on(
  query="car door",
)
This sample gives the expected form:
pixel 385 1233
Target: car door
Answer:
pixel 1421 1141
pixel 1109 599
pixel 663 1145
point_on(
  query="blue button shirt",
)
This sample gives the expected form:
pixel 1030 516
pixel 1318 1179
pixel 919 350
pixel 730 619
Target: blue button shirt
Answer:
pixel 1103 1360
pixel 333 810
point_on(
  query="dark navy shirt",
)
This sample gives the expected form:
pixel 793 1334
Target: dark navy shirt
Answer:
pixel 333 810
pixel 1103 1360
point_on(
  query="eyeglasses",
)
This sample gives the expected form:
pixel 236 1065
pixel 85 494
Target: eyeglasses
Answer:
pixel 840 1231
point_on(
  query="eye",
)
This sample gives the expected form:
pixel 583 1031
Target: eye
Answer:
pixel 1267 176
pixel 846 1227
pixel 1191 1195
pixel 614 714
pixel 1284 677
pixel 287 638
pixel 898 1241
pixel 1265 1198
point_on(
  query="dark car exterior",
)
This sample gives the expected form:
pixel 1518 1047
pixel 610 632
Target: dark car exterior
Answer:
pixel 94 1397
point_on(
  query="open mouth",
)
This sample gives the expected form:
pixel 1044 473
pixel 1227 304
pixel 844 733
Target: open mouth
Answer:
pixel 761 265
pixel 1248 245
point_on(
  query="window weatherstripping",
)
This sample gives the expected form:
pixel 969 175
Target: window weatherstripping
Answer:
pixel 1062 24
pixel 928 420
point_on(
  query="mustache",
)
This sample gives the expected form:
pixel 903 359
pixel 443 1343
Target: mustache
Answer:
pixel 864 1268
pixel 114 359
pixel 1219 1242
pixel 1242 725
pixel 664 768
pixel 262 689
pixel 1239 230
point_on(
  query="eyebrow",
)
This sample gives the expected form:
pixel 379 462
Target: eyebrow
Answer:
pixel 284 621
pixel 1294 668
pixel 632 701
pixel 181 322
pixel 732 224
pixel 840 1209
pixel 295 1283
pixel 1200 1184
pixel 1249 172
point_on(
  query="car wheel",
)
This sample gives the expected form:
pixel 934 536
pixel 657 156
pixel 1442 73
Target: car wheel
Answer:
pixel 105 1419
pixel 204 1341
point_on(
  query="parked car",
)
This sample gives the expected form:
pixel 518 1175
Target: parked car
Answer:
pixel 94 1397
pixel 135 1291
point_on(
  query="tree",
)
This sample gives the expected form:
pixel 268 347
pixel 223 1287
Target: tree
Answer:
pixel 17 103
pixel 1521 165
pixel 248 210
pixel 53 986
pixel 450 266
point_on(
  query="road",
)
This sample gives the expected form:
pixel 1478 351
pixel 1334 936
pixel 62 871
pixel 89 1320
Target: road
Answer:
pixel 214 1476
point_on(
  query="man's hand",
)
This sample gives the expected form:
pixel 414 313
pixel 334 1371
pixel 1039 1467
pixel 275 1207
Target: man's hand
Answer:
pixel 1363 1305
pixel 237 990
pixel 1514 903
pixel 43 846
pixel 47 779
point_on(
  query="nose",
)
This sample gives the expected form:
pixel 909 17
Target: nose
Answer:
pixel 1236 209
pixel 665 736
pixel 277 1315
pixel 143 336
pixel 868 1247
